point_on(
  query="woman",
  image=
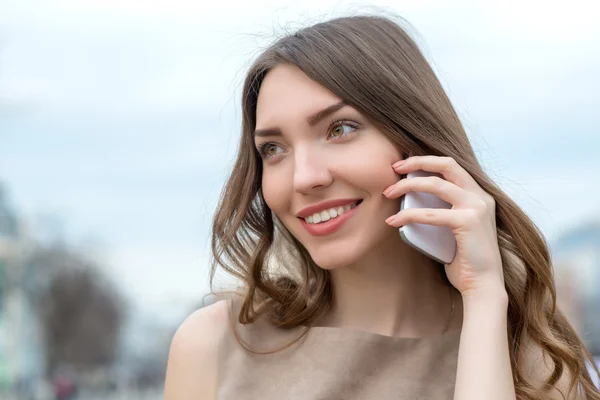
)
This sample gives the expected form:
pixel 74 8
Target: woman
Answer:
pixel 336 306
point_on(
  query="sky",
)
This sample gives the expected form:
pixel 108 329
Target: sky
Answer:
pixel 120 118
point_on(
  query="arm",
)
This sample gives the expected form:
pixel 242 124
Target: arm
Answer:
pixel 192 365
pixel 484 369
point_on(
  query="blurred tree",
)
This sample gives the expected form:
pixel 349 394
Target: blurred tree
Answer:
pixel 80 313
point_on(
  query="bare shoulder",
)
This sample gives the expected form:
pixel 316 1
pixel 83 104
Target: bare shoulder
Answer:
pixel 538 366
pixel 193 355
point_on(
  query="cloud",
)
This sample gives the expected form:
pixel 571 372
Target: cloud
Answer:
pixel 132 110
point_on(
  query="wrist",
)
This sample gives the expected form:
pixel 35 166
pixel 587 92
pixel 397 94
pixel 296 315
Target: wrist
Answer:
pixel 491 299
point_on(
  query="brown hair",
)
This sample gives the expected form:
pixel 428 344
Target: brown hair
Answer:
pixel 373 65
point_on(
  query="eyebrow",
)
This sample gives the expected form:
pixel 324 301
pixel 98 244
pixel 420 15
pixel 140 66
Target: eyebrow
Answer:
pixel 312 120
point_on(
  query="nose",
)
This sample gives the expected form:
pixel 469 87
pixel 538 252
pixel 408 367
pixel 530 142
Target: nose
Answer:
pixel 311 171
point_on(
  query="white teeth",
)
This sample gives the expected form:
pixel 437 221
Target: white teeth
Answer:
pixel 331 213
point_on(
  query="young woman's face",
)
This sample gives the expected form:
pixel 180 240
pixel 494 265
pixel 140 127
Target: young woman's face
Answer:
pixel 310 159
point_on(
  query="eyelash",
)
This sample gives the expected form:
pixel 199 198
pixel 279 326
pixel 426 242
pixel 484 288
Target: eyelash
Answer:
pixel 263 146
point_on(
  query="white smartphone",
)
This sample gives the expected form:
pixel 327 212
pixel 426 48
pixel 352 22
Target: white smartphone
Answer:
pixel 436 242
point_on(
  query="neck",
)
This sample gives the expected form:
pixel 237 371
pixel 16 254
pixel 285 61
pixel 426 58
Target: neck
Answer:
pixel 393 291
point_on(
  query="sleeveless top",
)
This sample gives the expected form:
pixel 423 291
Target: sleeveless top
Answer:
pixel 334 363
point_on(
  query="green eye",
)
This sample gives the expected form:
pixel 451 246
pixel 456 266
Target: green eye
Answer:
pixel 270 150
pixel 337 131
pixel 341 129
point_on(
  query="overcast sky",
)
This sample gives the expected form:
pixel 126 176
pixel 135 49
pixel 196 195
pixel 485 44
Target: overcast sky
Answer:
pixel 122 117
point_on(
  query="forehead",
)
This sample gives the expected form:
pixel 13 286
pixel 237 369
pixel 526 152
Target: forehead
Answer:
pixel 287 95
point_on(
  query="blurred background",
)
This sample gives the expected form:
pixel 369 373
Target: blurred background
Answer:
pixel 119 121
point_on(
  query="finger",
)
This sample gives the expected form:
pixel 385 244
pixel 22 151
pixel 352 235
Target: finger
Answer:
pixel 446 166
pixel 429 216
pixel 443 189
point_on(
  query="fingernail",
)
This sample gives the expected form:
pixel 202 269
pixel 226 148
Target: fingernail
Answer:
pixel 398 163
pixel 390 219
pixel 388 190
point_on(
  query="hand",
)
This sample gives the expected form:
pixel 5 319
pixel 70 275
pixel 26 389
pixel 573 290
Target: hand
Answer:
pixel 477 266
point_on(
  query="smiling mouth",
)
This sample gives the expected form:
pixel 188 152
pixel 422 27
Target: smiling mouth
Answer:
pixel 331 213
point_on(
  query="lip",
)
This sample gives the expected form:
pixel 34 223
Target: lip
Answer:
pixel 308 211
pixel 326 228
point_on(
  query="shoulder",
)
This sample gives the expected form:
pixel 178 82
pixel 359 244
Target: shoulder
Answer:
pixel 537 366
pixel 193 355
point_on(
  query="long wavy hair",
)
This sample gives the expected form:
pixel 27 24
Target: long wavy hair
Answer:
pixel 375 66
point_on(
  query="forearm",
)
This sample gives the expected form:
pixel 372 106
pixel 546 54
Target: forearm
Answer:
pixel 484 370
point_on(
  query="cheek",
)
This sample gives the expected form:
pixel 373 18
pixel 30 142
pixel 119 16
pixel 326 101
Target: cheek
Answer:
pixel 371 167
pixel 275 193
pixel 380 175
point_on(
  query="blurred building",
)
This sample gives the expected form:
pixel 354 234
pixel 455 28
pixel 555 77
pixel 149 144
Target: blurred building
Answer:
pixel 145 341
pixel 576 257
pixel 20 337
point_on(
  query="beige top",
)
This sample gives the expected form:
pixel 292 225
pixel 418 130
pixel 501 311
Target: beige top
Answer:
pixel 335 363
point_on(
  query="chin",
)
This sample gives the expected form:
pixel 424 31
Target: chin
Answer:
pixel 334 259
